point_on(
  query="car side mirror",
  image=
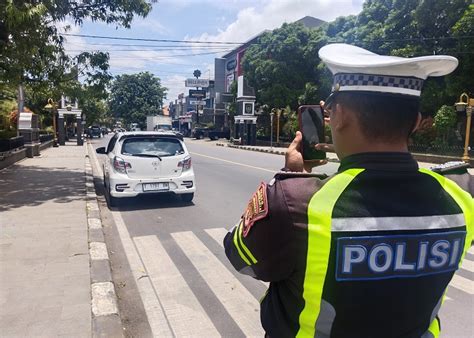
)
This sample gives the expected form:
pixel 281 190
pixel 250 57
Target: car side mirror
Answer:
pixel 101 150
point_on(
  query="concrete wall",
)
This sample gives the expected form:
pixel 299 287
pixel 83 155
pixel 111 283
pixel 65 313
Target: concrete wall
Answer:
pixel 7 159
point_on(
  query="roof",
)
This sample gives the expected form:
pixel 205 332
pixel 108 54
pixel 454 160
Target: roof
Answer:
pixel 311 22
pixel 147 133
pixel 307 21
pixel 245 44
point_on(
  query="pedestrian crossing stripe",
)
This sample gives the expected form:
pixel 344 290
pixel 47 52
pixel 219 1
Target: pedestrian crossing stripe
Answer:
pixel 463 284
pixel 467 265
pixel 178 301
pixel 218 235
pixel 170 303
pixel 223 283
pixel 156 317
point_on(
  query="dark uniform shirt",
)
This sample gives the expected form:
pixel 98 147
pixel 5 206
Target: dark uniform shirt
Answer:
pixel 368 252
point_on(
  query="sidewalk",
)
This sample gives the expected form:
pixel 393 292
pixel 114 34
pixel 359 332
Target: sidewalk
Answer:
pixel 45 278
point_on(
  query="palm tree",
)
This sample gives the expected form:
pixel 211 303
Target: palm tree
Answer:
pixel 197 73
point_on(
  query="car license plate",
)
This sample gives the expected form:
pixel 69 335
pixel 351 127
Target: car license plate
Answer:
pixel 155 186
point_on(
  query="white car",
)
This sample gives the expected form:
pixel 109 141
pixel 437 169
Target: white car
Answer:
pixel 147 162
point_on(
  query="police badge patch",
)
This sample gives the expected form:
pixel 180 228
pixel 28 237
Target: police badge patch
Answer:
pixel 256 209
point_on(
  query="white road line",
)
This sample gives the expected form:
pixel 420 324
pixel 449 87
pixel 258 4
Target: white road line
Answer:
pixel 471 250
pixel 156 318
pixel 218 235
pixel 236 163
pixel 467 265
pixel 235 298
pixel 462 284
pixel 154 311
pixel 179 303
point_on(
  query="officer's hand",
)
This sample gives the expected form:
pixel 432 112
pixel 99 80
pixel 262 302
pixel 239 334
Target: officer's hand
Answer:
pixel 294 158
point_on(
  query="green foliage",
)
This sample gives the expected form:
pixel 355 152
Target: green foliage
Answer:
pixel 284 67
pixel 444 123
pixel 281 64
pixel 310 95
pixel 133 97
pixel 290 123
pixel 31 48
pixel 6 134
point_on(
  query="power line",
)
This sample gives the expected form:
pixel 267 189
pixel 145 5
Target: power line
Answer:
pixel 150 40
pixel 163 57
pixel 217 50
pixel 145 46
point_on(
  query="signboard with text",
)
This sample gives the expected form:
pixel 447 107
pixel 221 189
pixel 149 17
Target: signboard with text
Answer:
pixel 203 83
pixel 195 102
pixel 197 93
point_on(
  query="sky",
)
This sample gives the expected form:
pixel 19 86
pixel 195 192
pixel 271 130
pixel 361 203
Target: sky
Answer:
pixel 196 20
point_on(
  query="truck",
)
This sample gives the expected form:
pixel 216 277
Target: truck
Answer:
pixel 158 122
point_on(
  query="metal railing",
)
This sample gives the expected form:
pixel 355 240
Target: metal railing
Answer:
pixel 11 143
pixel 46 137
pixel 438 150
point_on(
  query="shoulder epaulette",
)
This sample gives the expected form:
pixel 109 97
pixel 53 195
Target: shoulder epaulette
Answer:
pixel 452 167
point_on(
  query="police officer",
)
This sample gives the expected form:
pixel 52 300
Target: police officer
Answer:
pixel 370 251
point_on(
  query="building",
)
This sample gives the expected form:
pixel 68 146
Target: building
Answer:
pixel 228 69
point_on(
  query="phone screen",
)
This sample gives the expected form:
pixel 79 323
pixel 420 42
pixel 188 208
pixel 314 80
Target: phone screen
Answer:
pixel 311 123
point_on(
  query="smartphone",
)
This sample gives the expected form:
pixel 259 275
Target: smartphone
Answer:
pixel 311 125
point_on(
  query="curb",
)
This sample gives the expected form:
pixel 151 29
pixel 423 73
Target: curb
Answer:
pixel 106 320
pixel 264 150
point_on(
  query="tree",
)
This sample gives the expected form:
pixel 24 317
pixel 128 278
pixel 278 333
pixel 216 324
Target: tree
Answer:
pixel 31 47
pixel 135 96
pixel 444 122
pixel 197 73
pixel 411 28
pixel 282 62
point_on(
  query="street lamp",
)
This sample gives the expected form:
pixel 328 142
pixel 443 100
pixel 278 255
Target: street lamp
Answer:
pixel 51 106
pixel 278 126
pixel 465 105
pixel 272 113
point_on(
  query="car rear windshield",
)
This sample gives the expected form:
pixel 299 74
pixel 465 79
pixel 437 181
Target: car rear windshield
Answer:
pixel 152 146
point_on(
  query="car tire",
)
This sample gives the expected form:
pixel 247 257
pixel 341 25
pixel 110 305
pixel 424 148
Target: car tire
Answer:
pixel 187 197
pixel 113 201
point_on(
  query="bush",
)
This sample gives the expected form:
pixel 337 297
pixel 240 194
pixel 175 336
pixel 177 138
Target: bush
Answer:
pixel 444 124
pixel 6 134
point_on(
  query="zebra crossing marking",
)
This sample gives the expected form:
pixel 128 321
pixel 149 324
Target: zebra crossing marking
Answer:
pixel 235 298
pixel 180 305
pixel 218 235
pixel 156 318
pixel 467 265
pixel 462 284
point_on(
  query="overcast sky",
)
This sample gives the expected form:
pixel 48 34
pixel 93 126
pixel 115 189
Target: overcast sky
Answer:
pixel 202 20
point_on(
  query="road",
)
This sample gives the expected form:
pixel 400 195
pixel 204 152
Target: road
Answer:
pixel 170 269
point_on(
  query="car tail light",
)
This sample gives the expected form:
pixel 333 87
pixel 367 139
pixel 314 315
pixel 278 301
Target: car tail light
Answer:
pixel 185 163
pixel 120 165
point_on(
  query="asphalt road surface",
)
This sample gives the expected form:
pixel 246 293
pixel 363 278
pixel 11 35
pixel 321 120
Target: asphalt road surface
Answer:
pixel 169 266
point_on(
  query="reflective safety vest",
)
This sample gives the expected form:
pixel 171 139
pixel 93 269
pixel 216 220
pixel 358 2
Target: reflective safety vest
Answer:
pixel 368 252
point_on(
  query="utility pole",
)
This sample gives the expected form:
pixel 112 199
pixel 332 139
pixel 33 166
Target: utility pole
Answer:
pixel 21 105
pixel 271 128
pixel 278 125
pixel 197 74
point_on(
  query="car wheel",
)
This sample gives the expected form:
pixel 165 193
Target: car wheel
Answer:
pixel 113 201
pixel 187 197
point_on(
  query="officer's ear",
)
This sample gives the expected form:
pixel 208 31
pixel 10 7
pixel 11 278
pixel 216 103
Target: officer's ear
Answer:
pixel 417 123
pixel 343 117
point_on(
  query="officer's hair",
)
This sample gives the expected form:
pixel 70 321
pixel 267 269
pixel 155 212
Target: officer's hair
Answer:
pixel 382 117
